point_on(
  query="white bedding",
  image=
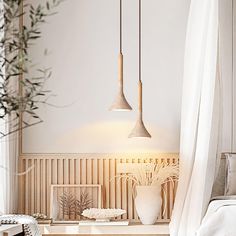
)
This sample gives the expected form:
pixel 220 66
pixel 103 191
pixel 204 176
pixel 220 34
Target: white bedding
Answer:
pixel 220 219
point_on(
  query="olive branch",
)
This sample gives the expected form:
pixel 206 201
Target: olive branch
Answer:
pixel 21 93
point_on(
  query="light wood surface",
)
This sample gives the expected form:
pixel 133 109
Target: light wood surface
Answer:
pixel 120 65
pixel 34 192
pixel 140 98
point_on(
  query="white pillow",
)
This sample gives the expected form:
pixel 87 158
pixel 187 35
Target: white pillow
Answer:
pixel 230 187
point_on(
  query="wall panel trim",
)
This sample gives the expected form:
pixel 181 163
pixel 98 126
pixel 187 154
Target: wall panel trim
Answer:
pixel 86 168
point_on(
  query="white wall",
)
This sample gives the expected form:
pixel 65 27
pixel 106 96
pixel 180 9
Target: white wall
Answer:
pixel 83 43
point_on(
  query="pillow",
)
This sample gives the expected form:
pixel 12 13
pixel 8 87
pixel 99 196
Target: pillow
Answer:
pixel 230 187
pixel 219 184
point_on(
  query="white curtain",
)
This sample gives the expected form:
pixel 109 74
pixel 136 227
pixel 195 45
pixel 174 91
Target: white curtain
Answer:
pixel 8 171
pixel 8 157
pixel 200 121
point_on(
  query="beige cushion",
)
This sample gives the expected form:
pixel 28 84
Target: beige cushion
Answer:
pixel 219 184
pixel 230 187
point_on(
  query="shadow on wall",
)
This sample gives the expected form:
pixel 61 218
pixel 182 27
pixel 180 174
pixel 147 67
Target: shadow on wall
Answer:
pixel 112 136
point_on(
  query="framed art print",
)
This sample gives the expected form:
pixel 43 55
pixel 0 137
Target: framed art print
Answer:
pixel 69 201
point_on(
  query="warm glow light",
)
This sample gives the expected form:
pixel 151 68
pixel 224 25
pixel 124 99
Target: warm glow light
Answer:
pixel 120 109
pixel 111 137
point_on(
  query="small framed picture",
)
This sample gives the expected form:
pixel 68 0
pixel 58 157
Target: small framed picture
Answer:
pixel 69 201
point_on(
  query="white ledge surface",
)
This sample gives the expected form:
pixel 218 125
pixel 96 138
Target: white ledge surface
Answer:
pixel 135 229
pixel 10 229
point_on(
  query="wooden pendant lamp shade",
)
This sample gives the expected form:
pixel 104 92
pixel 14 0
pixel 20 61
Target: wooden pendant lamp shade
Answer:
pixel 139 129
pixel 120 103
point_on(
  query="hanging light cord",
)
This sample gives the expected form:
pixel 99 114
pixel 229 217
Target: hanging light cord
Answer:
pixel 140 41
pixel 232 112
pixel 140 62
pixel 120 26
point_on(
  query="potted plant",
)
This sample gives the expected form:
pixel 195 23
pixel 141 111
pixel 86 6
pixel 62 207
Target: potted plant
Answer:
pixel 148 179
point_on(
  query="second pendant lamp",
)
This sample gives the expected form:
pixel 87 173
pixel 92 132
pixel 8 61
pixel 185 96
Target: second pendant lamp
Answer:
pixel 140 130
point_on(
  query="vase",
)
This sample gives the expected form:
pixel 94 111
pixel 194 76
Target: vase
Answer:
pixel 148 203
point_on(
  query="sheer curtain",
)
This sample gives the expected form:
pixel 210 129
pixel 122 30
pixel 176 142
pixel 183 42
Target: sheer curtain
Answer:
pixel 8 153
pixel 8 172
pixel 200 121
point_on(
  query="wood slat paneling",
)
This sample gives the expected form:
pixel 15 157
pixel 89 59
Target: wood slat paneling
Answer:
pixel 34 187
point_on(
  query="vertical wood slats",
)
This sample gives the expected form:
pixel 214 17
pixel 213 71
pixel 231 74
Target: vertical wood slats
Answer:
pixel 34 187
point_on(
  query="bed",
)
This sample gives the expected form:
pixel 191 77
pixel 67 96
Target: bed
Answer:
pixel 30 225
pixel 220 218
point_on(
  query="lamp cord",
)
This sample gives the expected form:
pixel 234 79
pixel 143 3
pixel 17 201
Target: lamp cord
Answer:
pixel 120 26
pixel 140 41
pixel 232 116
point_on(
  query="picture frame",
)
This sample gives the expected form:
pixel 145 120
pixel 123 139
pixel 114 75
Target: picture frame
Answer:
pixel 69 200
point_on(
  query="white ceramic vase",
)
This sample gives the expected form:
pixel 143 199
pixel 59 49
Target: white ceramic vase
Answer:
pixel 148 203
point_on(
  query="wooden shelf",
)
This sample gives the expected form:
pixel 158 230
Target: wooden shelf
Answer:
pixel 161 229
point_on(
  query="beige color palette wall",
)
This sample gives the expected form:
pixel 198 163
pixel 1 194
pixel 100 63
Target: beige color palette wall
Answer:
pixel 83 43
pixel 83 51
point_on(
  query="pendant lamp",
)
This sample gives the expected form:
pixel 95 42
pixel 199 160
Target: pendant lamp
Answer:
pixel 139 129
pixel 120 103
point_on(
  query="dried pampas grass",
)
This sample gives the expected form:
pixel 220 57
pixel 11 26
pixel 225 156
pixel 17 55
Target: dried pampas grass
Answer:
pixel 152 174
